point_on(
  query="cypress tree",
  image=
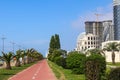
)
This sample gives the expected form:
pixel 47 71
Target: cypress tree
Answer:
pixel 57 41
pixel 52 43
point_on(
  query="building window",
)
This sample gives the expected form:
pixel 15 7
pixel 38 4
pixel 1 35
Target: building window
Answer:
pixel 88 38
pixel 91 42
pixel 88 43
pixel 85 47
pixel 91 38
pixel 82 47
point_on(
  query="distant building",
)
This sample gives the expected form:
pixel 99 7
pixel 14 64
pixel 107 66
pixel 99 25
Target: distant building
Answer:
pixel 86 41
pixel 102 29
pixel 108 32
pixel 95 28
pixel 116 10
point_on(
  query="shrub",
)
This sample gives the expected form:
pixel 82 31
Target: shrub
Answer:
pixel 60 61
pixel 76 62
pixel 114 74
pixel 95 67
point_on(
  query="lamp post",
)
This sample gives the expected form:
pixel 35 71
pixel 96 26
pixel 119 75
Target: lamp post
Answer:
pixel 13 45
pixel 3 38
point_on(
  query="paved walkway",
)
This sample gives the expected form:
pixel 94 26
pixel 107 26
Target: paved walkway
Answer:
pixel 39 71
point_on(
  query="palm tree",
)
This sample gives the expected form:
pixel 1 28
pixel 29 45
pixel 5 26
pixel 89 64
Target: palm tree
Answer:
pixel 95 51
pixel 23 55
pixel 37 56
pixel 30 55
pixel 7 58
pixel 18 56
pixel 112 47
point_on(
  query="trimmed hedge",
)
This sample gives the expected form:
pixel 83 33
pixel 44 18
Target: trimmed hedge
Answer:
pixel 76 62
pixel 114 74
pixel 95 67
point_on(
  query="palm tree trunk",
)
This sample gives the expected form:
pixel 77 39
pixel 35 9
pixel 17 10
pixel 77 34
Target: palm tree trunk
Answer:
pixel 28 60
pixel 17 63
pixel 8 66
pixel 23 61
pixel 113 57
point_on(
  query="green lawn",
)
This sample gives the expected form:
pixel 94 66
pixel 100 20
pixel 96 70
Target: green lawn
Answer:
pixel 65 74
pixel 5 74
pixel 116 64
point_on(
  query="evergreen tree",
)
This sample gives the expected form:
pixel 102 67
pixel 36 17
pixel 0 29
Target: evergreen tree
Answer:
pixel 54 45
pixel 57 41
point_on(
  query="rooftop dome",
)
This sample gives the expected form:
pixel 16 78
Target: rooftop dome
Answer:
pixel 81 35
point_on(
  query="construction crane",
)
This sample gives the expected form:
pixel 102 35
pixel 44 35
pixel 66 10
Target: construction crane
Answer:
pixel 99 35
pixel 97 20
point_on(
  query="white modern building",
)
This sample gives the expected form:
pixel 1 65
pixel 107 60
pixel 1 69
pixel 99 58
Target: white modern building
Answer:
pixel 108 53
pixel 86 41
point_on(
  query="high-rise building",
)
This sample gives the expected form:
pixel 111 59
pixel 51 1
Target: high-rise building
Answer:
pixel 102 29
pixel 95 28
pixel 108 32
pixel 116 19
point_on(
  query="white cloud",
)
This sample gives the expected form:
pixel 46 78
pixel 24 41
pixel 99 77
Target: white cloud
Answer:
pixel 106 13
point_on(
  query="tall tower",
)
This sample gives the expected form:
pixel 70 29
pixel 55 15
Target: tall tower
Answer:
pixel 95 28
pixel 116 10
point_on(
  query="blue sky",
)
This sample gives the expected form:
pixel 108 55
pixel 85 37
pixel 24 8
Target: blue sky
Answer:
pixel 30 23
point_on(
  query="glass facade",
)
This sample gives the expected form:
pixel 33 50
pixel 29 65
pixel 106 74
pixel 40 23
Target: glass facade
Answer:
pixel 116 22
pixel 108 32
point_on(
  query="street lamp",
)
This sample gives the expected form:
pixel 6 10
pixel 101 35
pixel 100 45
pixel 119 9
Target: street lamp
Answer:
pixel 13 45
pixel 3 38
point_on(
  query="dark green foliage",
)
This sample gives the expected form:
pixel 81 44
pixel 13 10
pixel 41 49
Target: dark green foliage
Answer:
pixel 54 42
pixel 49 56
pixel 18 56
pixel 33 55
pixel 54 45
pixel 57 41
pixel 56 53
pixel 78 70
pixel 114 74
pixel 7 57
pixel 60 61
pixel 92 70
pixel 76 62
pixel 95 67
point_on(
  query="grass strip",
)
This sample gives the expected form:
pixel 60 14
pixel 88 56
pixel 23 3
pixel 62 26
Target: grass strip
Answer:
pixel 59 72
pixel 6 74
pixel 116 64
pixel 54 69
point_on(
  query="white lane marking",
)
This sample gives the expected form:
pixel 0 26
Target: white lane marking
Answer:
pixel 33 77
pixel 35 74
pixel 23 71
pixel 37 71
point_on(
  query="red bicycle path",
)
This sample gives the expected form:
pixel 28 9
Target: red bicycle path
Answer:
pixel 39 71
